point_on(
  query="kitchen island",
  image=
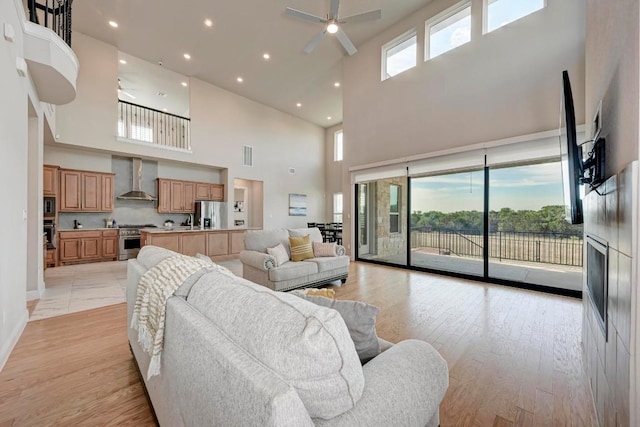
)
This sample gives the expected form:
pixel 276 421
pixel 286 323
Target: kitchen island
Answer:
pixel 217 244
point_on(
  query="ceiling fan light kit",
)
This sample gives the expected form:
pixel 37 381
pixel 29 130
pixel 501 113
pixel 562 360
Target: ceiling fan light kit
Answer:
pixel 331 25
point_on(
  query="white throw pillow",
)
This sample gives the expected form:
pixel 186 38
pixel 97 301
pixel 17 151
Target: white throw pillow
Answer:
pixel 324 249
pixel 279 253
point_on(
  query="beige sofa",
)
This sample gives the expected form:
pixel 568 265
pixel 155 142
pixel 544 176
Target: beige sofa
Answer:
pixel 260 267
pixel 239 354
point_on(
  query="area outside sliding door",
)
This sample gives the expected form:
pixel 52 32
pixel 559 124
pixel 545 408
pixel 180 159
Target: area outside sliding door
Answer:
pixel 529 239
pixel 447 215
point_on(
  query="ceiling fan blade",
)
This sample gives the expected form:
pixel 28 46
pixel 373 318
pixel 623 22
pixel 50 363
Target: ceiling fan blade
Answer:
pixel 362 17
pixel 346 43
pixel 333 9
pixel 314 42
pixel 304 15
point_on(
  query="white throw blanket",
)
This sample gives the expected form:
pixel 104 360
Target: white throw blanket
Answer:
pixel 155 288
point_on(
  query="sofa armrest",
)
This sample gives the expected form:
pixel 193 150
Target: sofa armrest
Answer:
pixel 258 260
pixel 340 250
pixel 403 386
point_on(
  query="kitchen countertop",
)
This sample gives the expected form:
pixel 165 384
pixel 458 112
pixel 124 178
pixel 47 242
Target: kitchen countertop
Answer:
pixel 181 229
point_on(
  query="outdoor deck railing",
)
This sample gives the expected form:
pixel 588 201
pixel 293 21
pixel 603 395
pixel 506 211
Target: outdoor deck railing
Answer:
pixel 137 123
pixel 52 14
pixel 528 246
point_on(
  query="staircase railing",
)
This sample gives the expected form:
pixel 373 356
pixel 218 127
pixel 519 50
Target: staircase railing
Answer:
pixel 140 124
pixel 52 14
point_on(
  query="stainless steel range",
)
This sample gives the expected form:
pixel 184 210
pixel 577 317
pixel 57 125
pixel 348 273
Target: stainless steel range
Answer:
pixel 129 240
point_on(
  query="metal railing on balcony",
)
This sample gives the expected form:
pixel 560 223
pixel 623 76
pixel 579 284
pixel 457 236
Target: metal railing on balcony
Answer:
pixel 52 14
pixel 145 125
pixel 548 248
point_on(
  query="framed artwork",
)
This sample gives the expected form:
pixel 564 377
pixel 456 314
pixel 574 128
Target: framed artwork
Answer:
pixel 297 204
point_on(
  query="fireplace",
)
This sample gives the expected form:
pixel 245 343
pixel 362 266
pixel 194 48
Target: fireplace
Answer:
pixel 597 283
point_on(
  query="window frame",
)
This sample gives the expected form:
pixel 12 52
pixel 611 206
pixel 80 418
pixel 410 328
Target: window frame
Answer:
pixel 485 16
pixel 435 20
pixel 396 214
pixel 338 149
pixel 407 35
pixel 338 213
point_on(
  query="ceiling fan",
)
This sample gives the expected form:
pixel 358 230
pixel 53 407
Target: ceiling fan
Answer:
pixel 333 25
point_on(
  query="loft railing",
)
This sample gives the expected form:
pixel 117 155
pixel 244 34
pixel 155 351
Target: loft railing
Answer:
pixel 52 14
pixel 145 125
pixel 528 246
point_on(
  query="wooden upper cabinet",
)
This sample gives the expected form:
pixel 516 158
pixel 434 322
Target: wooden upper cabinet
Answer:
pixel 180 196
pixel 50 181
pixel 85 191
pixel 107 193
pixel 164 195
pixel 202 191
pixel 189 197
pixel 91 194
pixel 70 190
pixel 177 196
pixel 216 192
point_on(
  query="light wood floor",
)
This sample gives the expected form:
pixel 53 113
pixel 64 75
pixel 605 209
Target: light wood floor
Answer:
pixel 513 355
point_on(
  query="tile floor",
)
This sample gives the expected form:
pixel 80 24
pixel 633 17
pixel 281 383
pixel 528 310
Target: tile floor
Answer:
pixel 74 288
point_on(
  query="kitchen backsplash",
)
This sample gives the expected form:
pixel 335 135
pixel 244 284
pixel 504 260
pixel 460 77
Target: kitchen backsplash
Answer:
pixel 121 214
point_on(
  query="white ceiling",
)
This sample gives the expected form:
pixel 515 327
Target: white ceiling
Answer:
pixel 157 30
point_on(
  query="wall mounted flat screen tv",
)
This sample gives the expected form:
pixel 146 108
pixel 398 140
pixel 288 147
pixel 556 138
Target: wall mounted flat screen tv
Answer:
pixel 571 156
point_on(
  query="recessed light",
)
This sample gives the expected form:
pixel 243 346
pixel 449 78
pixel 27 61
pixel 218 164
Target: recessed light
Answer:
pixel 165 110
pixel 240 79
pixel 337 84
pixel 187 56
pixel 185 84
pixel 266 56
pixel 298 105
pixel 122 61
pixel 208 22
pixel 114 24
pixel 328 117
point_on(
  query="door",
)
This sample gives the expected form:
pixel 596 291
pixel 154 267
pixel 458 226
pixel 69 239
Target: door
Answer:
pixel 90 247
pixel 69 250
pixel 50 181
pixel 70 191
pixel 216 192
pixel 202 191
pixel 217 244
pixel 109 247
pixel 164 196
pixel 364 207
pixel 107 193
pixel 189 191
pixel 91 194
pixel 194 243
pixel 177 196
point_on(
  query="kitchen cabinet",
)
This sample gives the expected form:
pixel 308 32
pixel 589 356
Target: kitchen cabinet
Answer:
pixel 86 191
pixel 193 243
pixel 50 258
pixel 217 244
pixel 50 181
pixel 169 241
pixel 78 246
pixel 236 241
pixel 176 196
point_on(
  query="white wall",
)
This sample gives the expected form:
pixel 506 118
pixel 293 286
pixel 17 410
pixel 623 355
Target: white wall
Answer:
pixel 221 123
pixel 14 166
pixel 503 84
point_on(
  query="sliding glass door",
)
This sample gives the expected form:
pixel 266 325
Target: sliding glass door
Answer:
pixel 447 212
pixel 529 239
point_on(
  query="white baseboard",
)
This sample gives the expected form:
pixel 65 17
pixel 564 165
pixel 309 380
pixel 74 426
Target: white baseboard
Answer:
pixel 31 295
pixel 7 347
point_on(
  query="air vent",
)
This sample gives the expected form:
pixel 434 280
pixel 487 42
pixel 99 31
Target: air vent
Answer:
pixel 247 156
pixel 292 171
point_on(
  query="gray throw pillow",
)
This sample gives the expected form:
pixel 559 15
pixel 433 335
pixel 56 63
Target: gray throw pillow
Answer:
pixel 360 319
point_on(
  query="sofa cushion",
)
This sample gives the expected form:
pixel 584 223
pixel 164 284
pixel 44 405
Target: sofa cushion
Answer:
pixel 314 233
pixel 360 319
pixel 300 248
pixel 149 256
pixel 279 253
pixel 324 249
pixel 330 263
pixel 292 270
pixel 260 240
pixel 307 345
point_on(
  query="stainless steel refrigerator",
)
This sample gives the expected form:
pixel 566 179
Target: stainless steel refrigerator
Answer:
pixel 210 214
